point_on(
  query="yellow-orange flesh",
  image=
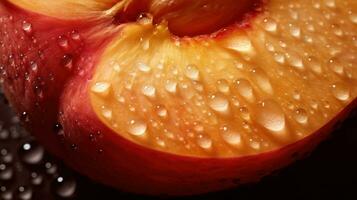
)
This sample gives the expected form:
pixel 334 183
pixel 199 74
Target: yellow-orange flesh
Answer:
pixel 248 91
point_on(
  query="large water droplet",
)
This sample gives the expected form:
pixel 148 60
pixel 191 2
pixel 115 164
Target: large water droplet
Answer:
pixel 271 116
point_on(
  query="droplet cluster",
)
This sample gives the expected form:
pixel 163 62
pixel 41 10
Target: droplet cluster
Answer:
pixel 244 92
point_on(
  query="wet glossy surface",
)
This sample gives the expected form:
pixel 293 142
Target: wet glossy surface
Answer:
pixel 28 172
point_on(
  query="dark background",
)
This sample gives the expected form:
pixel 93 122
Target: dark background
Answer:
pixel 329 173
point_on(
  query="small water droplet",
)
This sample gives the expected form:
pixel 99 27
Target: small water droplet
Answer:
pixel 27 27
pixel 6 172
pixel 231 137
pixel 50 168
pixel 223 86
pixel 144 67
pixel 171 86
pixel 24 193
pixel 75 35
pixel 31 153
pixel 107 113
pixel 36 179
pixel 192 72
pixel 161 111
pixel 204 142
pixel 149 91
pixel 262 80
pixel 301 116
pixel 67 61
pixel 315 65
pixel 63 42
pixel 341 91
pixel 64 187
pixel 271 116
pixel 336 66
pixel 245 89
pixel 145 19
pixel 101 88
pixel 270 25
pixel 137 127
pixel 219 103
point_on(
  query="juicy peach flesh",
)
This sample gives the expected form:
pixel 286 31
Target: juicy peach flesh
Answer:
pixel 243 92
pixel 242 89
pixel 232 93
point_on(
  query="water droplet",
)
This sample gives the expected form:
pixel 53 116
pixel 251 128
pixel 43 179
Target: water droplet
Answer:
pixel 143 67
pixel 24 193
pixel 315 65
pixel 6 156
pixel 336 66
pixel 204 142
pixel 270 25
pixel 36 179
pixel 219 103
pixel 50 168
pixel 223 86
pixel 171 86
pixel 63 42
pixel 271 116
pixel 34 66
pixel 27 27
pixel 341 91
pixel 107 113
pixel 5 194
pixel 137 127
pixel 245 89
pixel 67 61
pixel 161 111
pixel 262 80
pixel 31 153
pixel 75 35
pixel 255 145
pixel 295 31
pixel 192 72
pixel 145 19
pixel 353 18
pixel 101 88
pixel 6 172
pixel 149 91
pixel 295 60
pixel 241 44
pixel 4 134
pixel 64 187
pixel 231 137
pixel 301 116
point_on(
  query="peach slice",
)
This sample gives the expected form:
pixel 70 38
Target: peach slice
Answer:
pixel 179 97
